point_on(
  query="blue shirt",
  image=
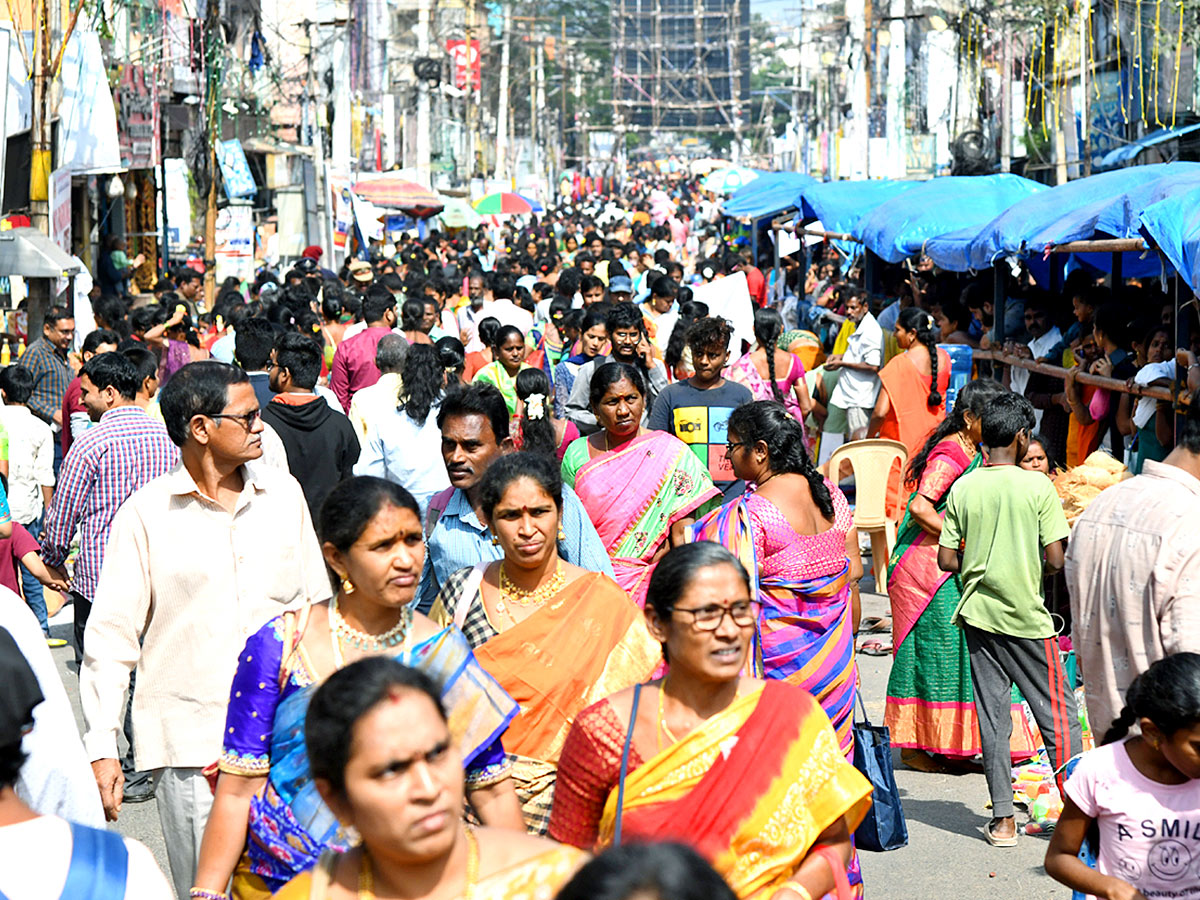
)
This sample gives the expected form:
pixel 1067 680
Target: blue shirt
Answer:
pixel 459 540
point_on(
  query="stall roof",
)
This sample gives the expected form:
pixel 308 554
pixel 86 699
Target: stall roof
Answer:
pixel 29 253
pixel 900 227
pixel 1129 152
pixel 1013 231
pixel 1174 225
pixel 771 192
pixel 840 205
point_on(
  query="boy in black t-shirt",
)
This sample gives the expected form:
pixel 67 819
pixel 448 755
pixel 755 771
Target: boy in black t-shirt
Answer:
pixel 697 410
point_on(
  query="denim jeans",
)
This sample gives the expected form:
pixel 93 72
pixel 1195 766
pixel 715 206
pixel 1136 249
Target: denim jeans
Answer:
pixel 30 586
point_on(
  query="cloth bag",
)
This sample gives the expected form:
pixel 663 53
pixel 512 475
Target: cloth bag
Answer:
pixel 884 827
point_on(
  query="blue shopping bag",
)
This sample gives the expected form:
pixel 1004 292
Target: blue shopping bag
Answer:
pixel 884 827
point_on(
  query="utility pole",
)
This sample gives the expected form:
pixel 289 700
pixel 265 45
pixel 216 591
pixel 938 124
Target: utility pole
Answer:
pixel 212 51
pixel 562 82
pixel 501 170
pixel 1005 94
pixel 896 131
pixel 471 112
pixel 797 138
pixel 424 146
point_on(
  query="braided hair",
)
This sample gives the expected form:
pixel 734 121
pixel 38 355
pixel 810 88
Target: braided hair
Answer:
pixel 771 423
pixel 974 397
pixel 1167 693
pixel 918 321
pixel 537 431
pixel 768 326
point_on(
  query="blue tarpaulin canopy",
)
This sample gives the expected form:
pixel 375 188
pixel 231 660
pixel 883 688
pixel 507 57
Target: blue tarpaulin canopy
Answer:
pixel 1012 231
pixel 841 204
pixel 1130 151
pixel 1174 225
pixel 899 227
pixel 771 192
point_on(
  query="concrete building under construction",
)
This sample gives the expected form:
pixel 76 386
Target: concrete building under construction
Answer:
pixel 680 65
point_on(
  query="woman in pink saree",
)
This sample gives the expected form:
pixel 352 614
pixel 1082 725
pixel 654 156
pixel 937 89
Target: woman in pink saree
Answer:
pixel 641 488
pixel 771 373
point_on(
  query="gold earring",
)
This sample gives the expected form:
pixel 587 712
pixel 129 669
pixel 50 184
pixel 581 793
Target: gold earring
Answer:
pixel 562 535
pixel 495 541
pixel 347 585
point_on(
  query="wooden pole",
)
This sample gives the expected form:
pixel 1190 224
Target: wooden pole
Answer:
pixel 1111 384
pixel 211 29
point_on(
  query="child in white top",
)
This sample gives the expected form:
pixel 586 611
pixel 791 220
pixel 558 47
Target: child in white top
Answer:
pixel 1142 791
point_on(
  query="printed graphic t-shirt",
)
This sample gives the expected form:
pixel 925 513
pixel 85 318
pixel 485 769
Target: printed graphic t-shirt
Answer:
pixel 701 420
pixel 1149 832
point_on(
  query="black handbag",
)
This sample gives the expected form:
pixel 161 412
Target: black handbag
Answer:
pixel 637 695
pixel 884 827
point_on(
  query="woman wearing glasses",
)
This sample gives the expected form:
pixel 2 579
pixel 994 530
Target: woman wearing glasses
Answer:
pixel 747 772
pixel 795 534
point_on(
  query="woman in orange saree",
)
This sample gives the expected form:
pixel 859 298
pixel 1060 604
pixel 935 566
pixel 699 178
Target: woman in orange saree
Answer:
pixel 910 404
pixel 640 488
pixel 555 636
pixel 748 773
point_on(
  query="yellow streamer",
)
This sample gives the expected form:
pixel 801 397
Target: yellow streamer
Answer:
pixel 1042 82
pixel 1120 79
pixel 1140 63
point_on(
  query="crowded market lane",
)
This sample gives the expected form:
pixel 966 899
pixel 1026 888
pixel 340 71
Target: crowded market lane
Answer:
pixel 945 814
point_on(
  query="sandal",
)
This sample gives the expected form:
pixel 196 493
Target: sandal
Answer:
pixel 875 648
pixel 990 835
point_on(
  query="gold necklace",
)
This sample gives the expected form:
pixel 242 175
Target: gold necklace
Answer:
pixel 366 877
pixel 510 593
pixel 363 640
pixel 662 720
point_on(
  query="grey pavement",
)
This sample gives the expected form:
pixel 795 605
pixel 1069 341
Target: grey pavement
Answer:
pixel 946 856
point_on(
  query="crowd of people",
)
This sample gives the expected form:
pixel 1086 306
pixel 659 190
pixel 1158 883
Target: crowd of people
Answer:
pixel 505 552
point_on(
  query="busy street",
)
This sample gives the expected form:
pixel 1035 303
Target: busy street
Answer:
pixel 715 450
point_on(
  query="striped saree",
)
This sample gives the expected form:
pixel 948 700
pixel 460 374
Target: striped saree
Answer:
pixel 805 635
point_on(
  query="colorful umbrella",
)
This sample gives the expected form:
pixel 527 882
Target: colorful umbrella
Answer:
pixel 398 193
pixel 534 205
pixel 502 203
pixel 726 181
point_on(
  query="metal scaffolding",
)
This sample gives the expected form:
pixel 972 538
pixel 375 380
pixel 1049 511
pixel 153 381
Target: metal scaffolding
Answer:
pixel 680 65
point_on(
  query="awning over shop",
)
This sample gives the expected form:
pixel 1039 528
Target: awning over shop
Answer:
pixel 29 253
pixel 1174 226
pixel 1016 230
pixel 840 205
pixel 901 226
pixel 1129 152
pixel 771 192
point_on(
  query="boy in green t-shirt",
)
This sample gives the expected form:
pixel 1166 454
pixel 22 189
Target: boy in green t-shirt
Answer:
pixel 999 519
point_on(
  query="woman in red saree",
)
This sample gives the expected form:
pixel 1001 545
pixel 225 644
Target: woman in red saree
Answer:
pixel 748 773
pixel 911 403
pixel 640 488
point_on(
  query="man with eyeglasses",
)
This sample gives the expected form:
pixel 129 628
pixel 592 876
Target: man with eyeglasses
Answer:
pixel 197 561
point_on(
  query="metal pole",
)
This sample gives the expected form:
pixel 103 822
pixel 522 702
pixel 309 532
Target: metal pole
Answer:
pixel 998 304
pixel 501 170
pixel 165 254
pixel 1118 278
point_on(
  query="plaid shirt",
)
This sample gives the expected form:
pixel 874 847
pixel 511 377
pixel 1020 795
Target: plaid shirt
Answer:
pixel 104 466
pixel 51 375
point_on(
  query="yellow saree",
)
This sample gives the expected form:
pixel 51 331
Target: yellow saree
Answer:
pixel 750 790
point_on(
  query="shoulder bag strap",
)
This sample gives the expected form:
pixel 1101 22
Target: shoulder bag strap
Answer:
pixel 473 585
pixel 637 694
pixel 99 865
pixel 840 880
pixel 862 707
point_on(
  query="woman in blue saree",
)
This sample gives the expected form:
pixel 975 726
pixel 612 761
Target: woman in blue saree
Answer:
pixel 267 822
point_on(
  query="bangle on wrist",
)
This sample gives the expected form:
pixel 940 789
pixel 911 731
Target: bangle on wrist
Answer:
pixel 797 888
pixel 201 894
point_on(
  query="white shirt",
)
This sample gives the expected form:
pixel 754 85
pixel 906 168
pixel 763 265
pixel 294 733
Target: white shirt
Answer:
pixel 858 390
pixel 468 325
pixel 375 402
pixel 30 461
pixel 56 779
pixel 508 313
pixel 37 855
pixel 406 452
pixel 1039 347
pixel 184 584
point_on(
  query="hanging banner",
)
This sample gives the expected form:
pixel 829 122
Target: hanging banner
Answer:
pixel 60 208
pixel 460 58
pixel 137 118
pixel 235 171
pixel 235 242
